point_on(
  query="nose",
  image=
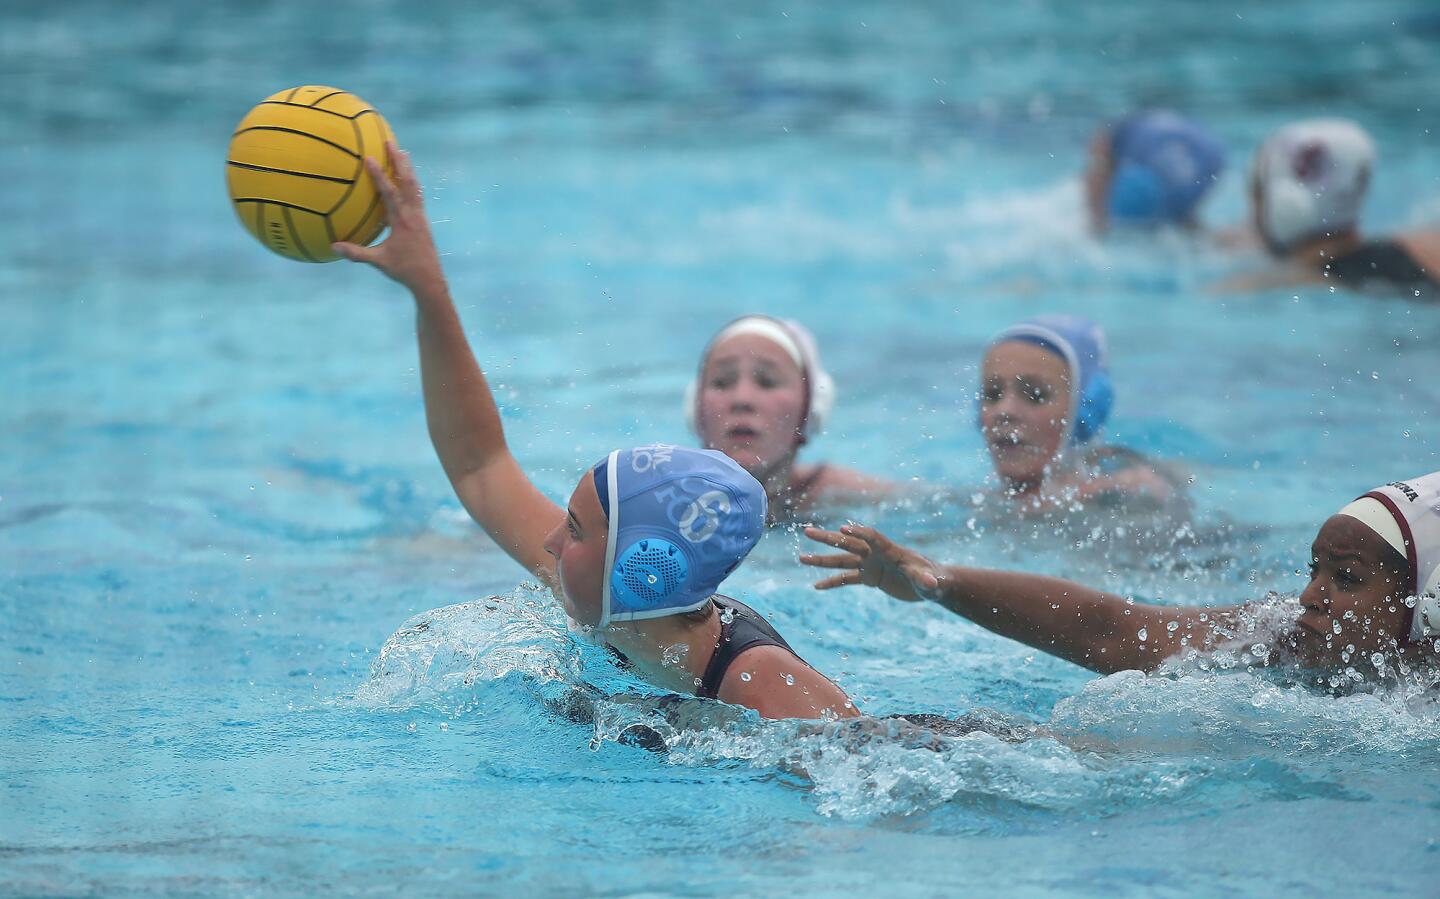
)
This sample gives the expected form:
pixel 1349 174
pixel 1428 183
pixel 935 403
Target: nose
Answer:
pixel 555 540
pixel 997 414
pixel 742 396
pixel 1314 597
pixel 1006 406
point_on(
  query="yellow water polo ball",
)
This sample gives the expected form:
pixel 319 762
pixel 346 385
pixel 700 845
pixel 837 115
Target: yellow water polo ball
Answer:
pixel 296 171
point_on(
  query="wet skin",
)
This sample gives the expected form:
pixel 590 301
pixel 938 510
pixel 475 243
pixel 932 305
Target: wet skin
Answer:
pixel 1024 411
pixel 751 400
pixel 1357 581
pixel 578 546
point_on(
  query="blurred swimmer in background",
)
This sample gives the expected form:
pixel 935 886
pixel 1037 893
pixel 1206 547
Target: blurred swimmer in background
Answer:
pixel 1307 186
pixel 1371 601
pixel 1150 170
pixel 760 395
pixel 649 533
pixel 1045 394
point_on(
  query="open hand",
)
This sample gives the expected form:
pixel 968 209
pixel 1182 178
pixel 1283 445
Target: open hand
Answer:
pixel 408 254
pixel 872 559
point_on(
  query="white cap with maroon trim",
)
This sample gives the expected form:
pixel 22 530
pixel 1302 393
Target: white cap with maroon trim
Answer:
pixel 1413 528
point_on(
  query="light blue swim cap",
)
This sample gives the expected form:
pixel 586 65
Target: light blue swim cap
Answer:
pixel 1163 165
pixel 680 520
pixel 1081 343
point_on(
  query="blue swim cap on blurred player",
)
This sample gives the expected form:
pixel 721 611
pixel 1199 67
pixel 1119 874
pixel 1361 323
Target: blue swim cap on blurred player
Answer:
pixel 1163 164
pixel 1081 343
pixel 680 520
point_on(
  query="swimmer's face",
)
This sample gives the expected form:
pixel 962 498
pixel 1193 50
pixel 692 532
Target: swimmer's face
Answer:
pixel 578 545
pixel 1024 410
pixel 1355 597
pixel 751 399
pixel 1098 171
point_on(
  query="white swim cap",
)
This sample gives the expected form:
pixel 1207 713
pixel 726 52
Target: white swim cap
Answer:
pixel 1311 178
pixel 1407 515
pixel 799 344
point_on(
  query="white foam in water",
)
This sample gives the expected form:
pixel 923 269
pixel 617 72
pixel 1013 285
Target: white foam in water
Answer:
pixel 1124 739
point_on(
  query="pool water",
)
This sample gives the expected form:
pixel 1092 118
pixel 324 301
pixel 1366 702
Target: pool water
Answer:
pixel 253 644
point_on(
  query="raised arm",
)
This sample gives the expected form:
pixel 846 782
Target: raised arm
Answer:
pixel 1098 630
pixel 464 422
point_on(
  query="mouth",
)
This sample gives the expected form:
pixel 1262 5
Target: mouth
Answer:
pixel 1311 627
pixel 742 433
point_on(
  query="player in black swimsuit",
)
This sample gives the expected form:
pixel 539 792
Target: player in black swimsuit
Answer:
pixel 1380 265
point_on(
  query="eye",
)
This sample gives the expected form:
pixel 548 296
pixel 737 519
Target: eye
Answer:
pixel 1313 568
pixel 722 381
pixel 574 532
pixel 992 393
pixel 766 380
pixel 1347 578
pixel 1036 394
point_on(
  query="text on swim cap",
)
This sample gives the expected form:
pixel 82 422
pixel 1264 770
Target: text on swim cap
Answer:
pixel 1405 489
pixel 644 458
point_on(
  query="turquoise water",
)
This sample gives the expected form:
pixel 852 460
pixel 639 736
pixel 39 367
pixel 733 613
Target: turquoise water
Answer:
pixel 219 507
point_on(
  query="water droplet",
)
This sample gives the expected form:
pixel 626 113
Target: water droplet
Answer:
pixel 1259 650
pixel 789 680
pixel 1335 626
pixel 1377 659
pixel 1374 376
pixel 727 615
pixel 410 727
pixel 1172 626
pixel 675 654
pixel 745 676
pixel 1144 635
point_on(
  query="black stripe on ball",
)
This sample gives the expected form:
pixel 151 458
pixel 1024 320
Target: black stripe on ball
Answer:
pixel 295 131
pixel 262 168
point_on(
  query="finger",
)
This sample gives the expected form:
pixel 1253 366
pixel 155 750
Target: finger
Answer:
pixel 389 193
pixel 839 541
pixel 864 532
pixel 829 538
pixel 848 579
pixel 404 168
pixel 843 560
pixel 354 252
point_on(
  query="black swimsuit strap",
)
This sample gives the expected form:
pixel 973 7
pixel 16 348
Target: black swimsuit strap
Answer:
pixel 745 629
pixel 1385 262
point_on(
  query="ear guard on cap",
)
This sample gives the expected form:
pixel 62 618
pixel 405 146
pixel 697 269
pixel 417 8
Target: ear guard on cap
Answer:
pixel 1136 195
pixel 1426 623
pixel 647 573
pixel 1094 410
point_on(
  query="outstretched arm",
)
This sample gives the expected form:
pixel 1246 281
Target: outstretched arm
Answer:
pixel 1098 630
pixel 464 422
